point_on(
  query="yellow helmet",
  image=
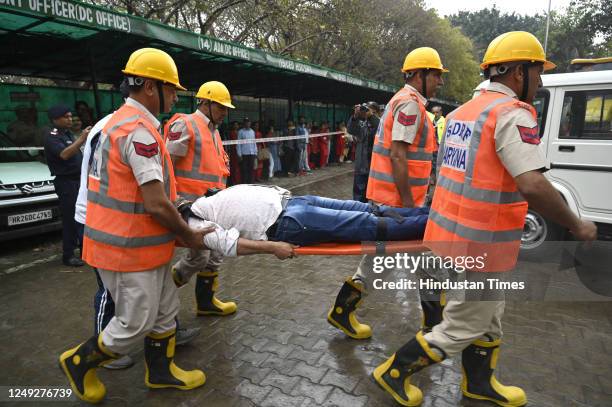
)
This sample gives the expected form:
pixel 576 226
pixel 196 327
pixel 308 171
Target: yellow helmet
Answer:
pixel 154 64
pixel 217 92
pixel 423 58
pixel 515 46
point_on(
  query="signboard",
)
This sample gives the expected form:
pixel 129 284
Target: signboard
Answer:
pixel 91 16
pixel 24 96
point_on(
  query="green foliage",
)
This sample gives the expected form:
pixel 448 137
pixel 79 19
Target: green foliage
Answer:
pixel 583 30
pixel 365 38
pixel 484 25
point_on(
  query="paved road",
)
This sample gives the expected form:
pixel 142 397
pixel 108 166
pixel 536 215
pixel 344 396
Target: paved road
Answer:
pixel 278 350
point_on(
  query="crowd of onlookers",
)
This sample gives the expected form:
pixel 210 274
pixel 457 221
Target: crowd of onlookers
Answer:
pixel 253 162
pixel 258 161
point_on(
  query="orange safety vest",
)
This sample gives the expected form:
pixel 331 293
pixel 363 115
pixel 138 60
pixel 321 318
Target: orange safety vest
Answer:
pixel 381 185
pixel 206 164
pixel 477 211
pixel 119 234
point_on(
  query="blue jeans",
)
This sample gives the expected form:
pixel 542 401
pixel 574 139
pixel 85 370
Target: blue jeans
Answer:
pixel 303 158
pixel 311 219
pixel 275 157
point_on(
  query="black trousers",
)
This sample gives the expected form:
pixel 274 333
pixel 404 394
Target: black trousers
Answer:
pixel 246 169
pixel 67 189
pixel 360 185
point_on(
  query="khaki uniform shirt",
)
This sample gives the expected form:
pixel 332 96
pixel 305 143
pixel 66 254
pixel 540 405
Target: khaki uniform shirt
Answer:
pixel 406 118
pixel 136 150
pixel 178 145
pixel 517 150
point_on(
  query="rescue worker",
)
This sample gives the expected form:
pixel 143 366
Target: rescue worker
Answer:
pixel 490 170
pixel 200 165
pixel 130 232
pixel 438 121
pixel 399 171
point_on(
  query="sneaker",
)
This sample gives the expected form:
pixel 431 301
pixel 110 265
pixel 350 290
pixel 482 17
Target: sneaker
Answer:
pixel 122 363
pixel 186 335
pixel 73 262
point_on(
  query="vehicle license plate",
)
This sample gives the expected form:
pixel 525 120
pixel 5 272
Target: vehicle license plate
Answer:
pixel 29 217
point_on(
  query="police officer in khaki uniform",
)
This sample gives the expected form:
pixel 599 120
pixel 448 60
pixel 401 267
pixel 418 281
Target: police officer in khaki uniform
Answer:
pixel 490 168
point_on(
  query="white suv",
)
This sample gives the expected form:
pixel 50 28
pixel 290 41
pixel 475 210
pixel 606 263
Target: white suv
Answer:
pixel 28 202
pixel 575 119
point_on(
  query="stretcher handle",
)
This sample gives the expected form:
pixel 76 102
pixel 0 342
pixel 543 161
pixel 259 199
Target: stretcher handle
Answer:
pixel 354 249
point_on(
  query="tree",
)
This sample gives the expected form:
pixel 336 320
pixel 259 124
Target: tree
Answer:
pixel 484 25
pixel 356 36
pixel 583 30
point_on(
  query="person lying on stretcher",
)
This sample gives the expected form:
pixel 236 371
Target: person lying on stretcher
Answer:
pixel 252 219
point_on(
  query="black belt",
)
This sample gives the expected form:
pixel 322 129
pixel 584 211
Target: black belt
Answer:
pixel 271 231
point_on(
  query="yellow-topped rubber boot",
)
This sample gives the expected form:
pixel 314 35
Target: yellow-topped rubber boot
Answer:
pixel 207 283
pixel 432 305
pixel 161 372
pixel 342 315
pixel 394 374
pixel 479 361
pixel 79 365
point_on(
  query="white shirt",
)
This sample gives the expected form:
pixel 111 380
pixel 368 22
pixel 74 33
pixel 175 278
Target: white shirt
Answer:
pixel 81 203
pixel 239 211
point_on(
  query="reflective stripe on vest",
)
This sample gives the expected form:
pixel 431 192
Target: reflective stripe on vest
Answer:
pixel 500 212
pixel 476 235
pixel 410 155
pixel 121 241
pixel 389 178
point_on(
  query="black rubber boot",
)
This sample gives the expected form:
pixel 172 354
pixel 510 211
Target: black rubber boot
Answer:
pixel 342 315
pixel 432 304
pixel 161 372
pixel 479 361
pixel 394 374
pixel 207 304
pixel 79 365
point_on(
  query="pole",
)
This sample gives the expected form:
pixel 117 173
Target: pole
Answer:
pixel 547 25
pixel 92 68
pixel 334 117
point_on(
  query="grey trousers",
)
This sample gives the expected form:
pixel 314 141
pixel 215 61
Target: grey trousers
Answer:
pixel 145 301
pixel 193 261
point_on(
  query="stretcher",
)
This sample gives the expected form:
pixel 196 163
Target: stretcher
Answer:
pixel 348 249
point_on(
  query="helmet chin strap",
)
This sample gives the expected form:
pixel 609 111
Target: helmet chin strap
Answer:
pixel 424 80
pixel 525 91
pixel 210 116
pixel 162 101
